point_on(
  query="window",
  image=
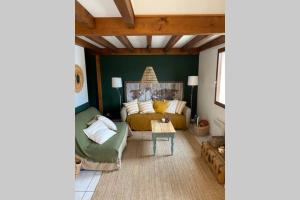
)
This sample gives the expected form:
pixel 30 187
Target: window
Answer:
pixel 220 79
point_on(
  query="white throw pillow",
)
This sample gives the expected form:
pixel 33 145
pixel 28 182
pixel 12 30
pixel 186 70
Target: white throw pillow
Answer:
pixel 110 124
pixel 132 107
pixel 94 127
pixel 172 106
pixel 180 107
pixel 102 135
pixel 99 132
pixel 146 107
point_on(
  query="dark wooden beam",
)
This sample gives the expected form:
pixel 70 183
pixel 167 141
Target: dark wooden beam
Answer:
pixel 103 42
pixel 153 51
pixel 157 25
pixel 99 84
pixel 193 41
pixel 124 40
pixel 149 41
pixel 83 17
pixel 215 42
pixel 173 40
pixel 84 44
pixel 126 11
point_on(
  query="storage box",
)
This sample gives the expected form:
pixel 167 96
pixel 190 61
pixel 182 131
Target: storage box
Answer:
pixel 214 160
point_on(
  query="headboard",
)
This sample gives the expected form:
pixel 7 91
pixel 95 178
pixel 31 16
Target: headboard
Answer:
pixel 165 90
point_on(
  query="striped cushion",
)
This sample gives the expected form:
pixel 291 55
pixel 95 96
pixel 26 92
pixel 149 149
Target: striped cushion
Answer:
pixel 146 107
pixel 180 106
pixel 172 106
pixel 132 107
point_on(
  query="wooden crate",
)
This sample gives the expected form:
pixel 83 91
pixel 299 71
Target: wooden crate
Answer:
pixel 215 161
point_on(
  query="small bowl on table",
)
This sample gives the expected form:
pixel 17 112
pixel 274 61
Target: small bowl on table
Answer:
pixel 165 120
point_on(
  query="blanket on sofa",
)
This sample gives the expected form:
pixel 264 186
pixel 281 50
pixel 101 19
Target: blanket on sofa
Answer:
pixel 107 152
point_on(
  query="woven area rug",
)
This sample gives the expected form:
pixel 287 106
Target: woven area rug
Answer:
pixel 184 175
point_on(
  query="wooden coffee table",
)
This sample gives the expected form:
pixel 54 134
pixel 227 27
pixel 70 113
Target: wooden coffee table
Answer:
pixel 162 130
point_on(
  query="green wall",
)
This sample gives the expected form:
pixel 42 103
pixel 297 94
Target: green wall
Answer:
pixel 90 61
pixel 131 68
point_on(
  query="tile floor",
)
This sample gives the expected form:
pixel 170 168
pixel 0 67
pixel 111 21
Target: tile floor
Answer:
pixel 85 184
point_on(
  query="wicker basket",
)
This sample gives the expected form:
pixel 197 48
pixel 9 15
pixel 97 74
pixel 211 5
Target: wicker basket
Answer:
pixel 200 131
pixel 77 167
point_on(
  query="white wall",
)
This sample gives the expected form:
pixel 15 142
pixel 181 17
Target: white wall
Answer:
pixel 206 107
pixel 82 96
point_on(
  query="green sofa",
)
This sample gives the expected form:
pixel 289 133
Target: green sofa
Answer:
pixel 94 156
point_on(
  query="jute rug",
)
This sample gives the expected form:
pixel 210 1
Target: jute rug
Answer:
pixel 144 176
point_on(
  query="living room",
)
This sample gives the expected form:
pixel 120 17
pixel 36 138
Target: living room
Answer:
pixel 152 81
pixel 147 117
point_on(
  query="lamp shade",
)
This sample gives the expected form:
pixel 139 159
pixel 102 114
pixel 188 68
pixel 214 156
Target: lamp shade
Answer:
pixel 149 76
pixel 116 82
pixel 193 80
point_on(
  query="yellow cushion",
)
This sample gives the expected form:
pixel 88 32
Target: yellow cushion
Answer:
pixel 160 106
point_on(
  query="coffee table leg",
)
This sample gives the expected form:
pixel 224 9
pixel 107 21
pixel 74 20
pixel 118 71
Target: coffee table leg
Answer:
pixel 154 144
pixel 172 144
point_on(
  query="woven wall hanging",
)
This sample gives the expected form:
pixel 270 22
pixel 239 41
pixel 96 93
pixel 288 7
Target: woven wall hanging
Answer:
pixel 79 80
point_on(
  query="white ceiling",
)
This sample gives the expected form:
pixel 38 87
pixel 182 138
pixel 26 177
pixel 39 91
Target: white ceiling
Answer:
pixel 101 8
pixel 90 41
pixel 206 40
pixel 178 7
pixel 183 40
pixel 107 8
pixel 158 41
pixel 138 41
pixel 114 41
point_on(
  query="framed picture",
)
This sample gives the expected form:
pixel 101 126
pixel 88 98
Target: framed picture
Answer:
pixel 163 90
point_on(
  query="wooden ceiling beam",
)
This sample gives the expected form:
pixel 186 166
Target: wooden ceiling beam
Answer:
pixel 193 41
pixel 215 42
pixel 124 40
pixel 103 42
pixel 83 17
pixel 154 51
pixel 156 25
pixel 149 41
pixel 173 40
pixel 84 44
pixel 126 11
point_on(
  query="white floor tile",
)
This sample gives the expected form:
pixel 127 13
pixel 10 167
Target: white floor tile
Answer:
pixel 83 181
pixel 94 183
pixel 88 196
pixel 79 195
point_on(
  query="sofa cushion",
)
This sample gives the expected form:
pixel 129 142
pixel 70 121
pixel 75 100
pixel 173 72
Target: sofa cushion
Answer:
pixel 160 106
pixel 142 122
pixel 180 106
pixel 146 107
pixel 132 107
pixel 172 106
pixel 110 124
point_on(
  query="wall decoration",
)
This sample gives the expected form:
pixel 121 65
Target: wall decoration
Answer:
pixel 79 80
pixel 163 90
pixel 81 90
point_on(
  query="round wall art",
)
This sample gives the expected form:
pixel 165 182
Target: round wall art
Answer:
pixel 78 79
